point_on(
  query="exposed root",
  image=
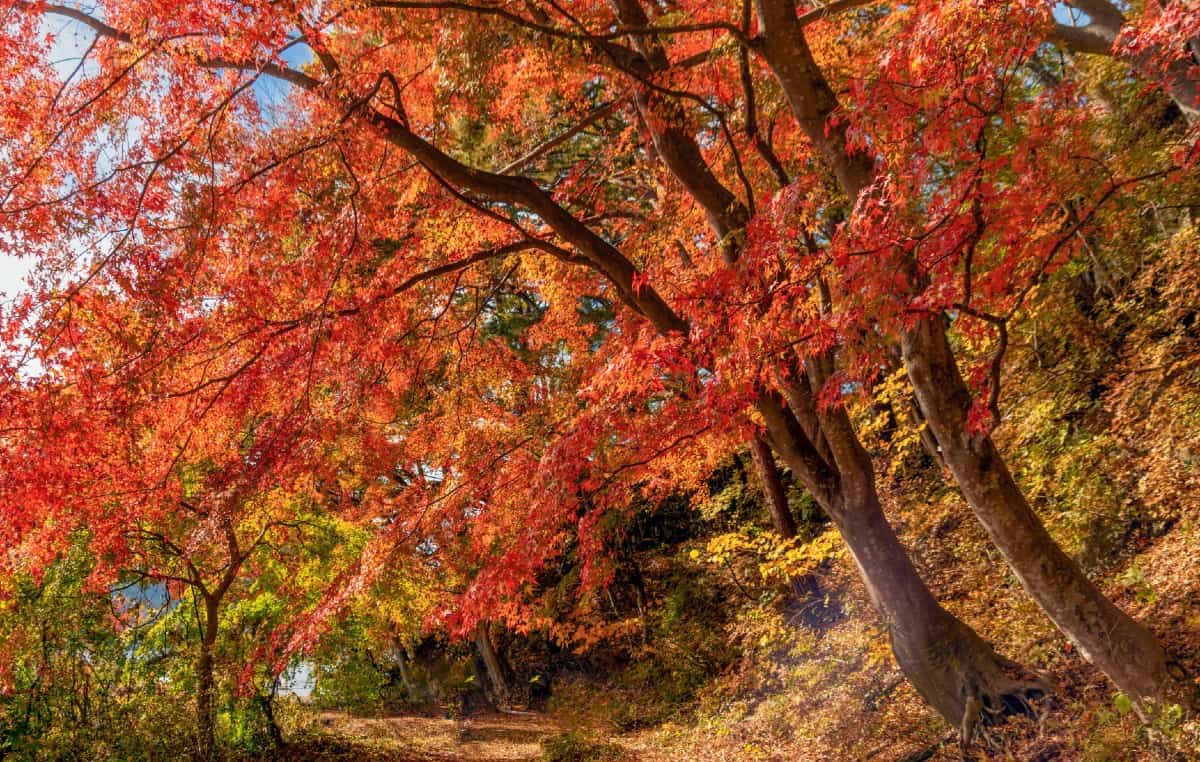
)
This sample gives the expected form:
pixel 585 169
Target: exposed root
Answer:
pixel 1005 697
pixel 963 677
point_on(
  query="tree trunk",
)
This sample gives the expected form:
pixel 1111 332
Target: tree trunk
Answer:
pixel 676 145
pixel 812 100
pixel 267 703
pixel 1107 637
pixel 953 669
pixel 1099 37
pixel 491 660
pixel 951 666
pixel 803 587
pixel 775 496
pixel 205 728
pixel 410 688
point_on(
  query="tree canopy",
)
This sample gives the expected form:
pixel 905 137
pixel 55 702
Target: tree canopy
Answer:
pixel 475 282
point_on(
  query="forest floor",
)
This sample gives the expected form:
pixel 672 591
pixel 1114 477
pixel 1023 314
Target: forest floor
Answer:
pixel 844 698
pixel 826 716
pixel 484 737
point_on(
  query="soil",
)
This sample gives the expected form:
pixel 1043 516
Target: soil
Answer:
pixel 501 737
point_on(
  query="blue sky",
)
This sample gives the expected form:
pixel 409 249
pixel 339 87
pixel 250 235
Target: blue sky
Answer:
pixel 71 40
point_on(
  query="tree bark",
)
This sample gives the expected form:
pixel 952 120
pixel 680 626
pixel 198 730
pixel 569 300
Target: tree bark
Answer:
pixel 205 683
pixel 727 215
pixel 774 493
pixel 1107 637
pixel 205 727
pixel 491 660
pixel 1099 36
pixel 954 670
pixel 267 703
pixel 785 49
pixel 410 688
pixel 805 586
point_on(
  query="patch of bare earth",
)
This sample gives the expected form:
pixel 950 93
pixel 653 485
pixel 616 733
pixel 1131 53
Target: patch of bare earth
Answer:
pixel 482 738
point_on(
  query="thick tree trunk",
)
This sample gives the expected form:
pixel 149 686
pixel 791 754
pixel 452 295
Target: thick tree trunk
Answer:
pixel 1125 651
pixel 951 666
pixel 491 660
pixel 953 669
pixel 1107 637
pixel 205 732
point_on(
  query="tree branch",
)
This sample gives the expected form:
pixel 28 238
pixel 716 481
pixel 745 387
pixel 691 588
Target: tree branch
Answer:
pixel 550 144
pixel 1093 38
pixel 830 9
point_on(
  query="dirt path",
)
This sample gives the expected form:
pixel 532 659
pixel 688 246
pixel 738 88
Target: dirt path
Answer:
pixel 485 737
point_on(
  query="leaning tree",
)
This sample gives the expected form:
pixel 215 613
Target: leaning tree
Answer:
pixel 305 216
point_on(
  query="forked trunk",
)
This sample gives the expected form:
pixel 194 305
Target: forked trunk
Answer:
pixel 1124 650
pixel 953 669
pixel 1107 637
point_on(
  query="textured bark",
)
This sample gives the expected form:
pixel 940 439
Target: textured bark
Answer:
pixel 1123 649
pixel 953 669
pixel 205 728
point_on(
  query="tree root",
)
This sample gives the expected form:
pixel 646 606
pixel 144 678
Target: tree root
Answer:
pixel 1004 697
pixel 964 679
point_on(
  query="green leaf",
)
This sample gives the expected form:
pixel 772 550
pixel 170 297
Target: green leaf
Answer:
pixel 1123 704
